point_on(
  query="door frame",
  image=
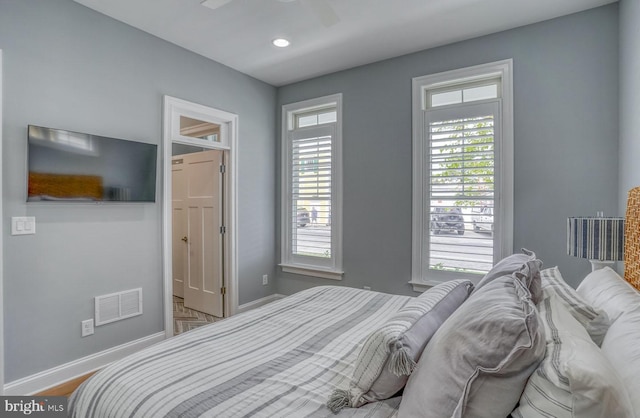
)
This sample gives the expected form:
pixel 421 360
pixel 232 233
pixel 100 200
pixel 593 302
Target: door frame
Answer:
pixel 1 248
pixel 173 108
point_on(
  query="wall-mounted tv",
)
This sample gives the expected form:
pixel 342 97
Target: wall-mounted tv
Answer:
pixel 76 167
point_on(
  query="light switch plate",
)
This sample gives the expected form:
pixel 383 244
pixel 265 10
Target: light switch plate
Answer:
pixel 87 327
pixel 23 225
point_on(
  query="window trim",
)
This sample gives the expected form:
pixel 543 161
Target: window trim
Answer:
pixel 504 170
pixel 290 112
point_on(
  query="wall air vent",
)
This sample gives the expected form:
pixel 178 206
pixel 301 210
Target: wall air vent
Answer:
pixel 117 306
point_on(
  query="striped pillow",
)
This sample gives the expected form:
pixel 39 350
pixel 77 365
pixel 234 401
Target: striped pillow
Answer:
pixel 575 379
pixel 390 353
pixel 595 321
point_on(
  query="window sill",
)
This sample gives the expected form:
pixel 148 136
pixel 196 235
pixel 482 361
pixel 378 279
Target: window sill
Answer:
pixel 312 271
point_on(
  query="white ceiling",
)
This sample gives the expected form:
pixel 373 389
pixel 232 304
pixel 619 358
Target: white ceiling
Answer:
pixel 239 34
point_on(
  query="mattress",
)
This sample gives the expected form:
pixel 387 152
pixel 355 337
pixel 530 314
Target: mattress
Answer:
pixel 280 360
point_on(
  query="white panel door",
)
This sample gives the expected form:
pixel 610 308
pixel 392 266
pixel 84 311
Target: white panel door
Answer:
pixel 203 205
pixel 179 221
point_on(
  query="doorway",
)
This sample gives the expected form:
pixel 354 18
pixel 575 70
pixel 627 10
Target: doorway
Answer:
pixel 202 139
pixel 198 230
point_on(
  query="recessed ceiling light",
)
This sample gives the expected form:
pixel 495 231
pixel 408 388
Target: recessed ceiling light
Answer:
pixel 281 42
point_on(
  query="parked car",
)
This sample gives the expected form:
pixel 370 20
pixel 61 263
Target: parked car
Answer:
pixel 484 220
pixel 444 219
pixel 303 217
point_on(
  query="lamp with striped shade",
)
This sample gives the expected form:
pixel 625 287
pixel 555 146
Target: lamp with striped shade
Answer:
pixel 599 239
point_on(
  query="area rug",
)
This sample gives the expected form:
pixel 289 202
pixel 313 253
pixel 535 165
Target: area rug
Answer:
pixel 185 319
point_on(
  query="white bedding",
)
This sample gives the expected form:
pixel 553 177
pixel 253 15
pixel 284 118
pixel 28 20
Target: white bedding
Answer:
pixel 280 360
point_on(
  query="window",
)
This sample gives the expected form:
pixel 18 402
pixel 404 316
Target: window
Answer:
pixel 199 128
pixel 312 188
pixel 462 172
pixel 465 93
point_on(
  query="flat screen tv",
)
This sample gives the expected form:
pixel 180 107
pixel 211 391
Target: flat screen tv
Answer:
pixel 66 166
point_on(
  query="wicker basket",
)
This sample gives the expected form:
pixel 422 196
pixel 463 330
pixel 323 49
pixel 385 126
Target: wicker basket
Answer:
pixel 632 239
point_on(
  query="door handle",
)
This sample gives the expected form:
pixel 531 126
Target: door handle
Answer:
pixel 185 239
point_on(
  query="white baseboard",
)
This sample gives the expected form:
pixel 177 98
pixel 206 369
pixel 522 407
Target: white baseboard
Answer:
pixel 65 372
pixel 258 302
pixel 53 377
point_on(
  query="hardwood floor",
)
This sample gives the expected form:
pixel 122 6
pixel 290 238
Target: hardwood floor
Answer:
pixel 66 388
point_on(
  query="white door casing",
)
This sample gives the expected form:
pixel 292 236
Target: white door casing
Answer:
pixel 179 218
pixel 173 108
pixel 203 204
pixel 1 249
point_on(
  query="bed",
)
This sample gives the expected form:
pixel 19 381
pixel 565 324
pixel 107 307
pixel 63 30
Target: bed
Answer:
pixel 520 343
pixel 281 360
pixel 285 359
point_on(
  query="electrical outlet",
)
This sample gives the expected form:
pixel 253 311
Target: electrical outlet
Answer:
pixel 265 279
pixel 87 327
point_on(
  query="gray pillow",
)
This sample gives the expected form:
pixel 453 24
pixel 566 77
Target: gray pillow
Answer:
pixel 478 362
pixel 529 275
pixel 390 352
pixel 528 267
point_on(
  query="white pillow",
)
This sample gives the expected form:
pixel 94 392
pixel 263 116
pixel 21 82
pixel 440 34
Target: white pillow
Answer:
pixel 390 352
pixel 605 289
pixel 575 379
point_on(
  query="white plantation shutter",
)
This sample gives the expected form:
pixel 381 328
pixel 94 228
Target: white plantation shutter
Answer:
pixel 311 191
pixel 459 186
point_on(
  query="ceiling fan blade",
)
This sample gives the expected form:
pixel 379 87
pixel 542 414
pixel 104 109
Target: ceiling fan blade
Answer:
pixel 214 4
pixel 323 10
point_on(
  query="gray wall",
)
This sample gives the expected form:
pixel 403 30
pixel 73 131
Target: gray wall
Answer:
pixel 68 67
pixel 629 98
pixel 566 149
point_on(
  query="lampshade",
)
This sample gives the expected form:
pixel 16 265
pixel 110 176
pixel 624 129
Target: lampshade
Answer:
pixel 596 238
